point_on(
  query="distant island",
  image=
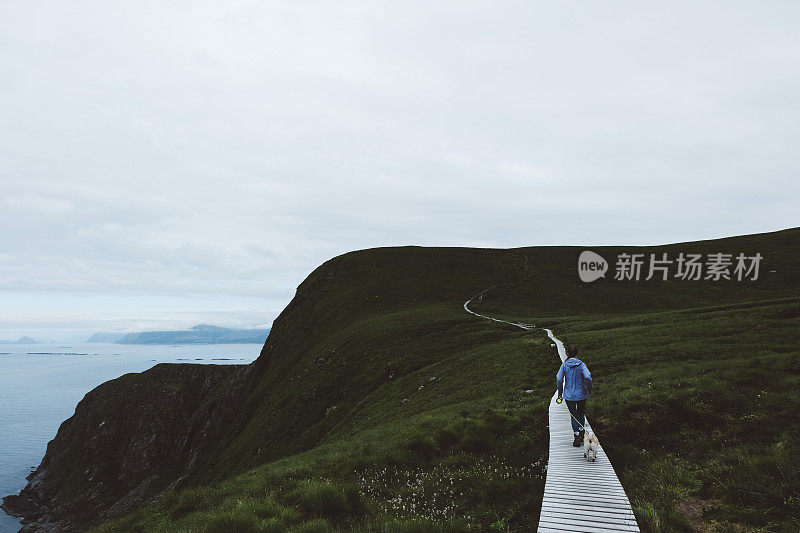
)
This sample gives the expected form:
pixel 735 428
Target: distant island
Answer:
pixel 106 337
pixel 22 340
pixel 200 334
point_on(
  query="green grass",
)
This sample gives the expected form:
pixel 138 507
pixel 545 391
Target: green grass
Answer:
pixel 699 407
pixel 449 483
pixel 441 437
pixel 378 404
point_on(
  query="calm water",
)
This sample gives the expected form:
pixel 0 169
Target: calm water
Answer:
pixel 40 390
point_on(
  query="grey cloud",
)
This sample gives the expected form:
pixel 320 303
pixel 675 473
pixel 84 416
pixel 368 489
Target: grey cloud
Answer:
pixel 220 151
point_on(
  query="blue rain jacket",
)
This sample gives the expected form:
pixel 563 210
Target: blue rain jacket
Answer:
pixel 573 379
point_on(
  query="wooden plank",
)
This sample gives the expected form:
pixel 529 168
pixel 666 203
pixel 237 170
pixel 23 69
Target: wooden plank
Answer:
pixel 584 471
pixel 549 504
pixel 560 492
pixel 601 521
pixel 604 482
pixel 587 491
pixel 577 526
pixel 593 511
pixel 590 515
pixel 581 473
pixel 592 525
pixel 568 474
pixel 584 484
pixel 595 505
pixel 557 495
pixel 622 502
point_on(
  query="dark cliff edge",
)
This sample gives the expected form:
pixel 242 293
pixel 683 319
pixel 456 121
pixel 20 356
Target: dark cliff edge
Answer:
pixel 129 439
pixel 135 437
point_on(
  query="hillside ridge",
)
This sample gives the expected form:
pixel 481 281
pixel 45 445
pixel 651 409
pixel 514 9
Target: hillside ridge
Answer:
pixel 345 356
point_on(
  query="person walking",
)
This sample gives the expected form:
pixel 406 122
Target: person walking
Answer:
pixel 574 384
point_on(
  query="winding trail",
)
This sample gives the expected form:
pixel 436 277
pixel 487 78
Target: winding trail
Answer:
pixel 579 496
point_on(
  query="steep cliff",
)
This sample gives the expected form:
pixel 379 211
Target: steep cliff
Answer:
pixel 128 439
pixel 133 437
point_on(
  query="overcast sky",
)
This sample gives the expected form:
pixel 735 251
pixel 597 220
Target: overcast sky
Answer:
pixel 169 163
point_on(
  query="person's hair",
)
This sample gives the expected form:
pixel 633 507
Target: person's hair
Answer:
pixel 572 351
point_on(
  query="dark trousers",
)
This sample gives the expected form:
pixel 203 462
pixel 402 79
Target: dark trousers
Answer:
pixel 578 410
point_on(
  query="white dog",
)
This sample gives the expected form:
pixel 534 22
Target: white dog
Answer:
pixel 590 444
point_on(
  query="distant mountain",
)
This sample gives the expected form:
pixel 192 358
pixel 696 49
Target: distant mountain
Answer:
pixel 106 337
pixel 22 340
pixel 200 334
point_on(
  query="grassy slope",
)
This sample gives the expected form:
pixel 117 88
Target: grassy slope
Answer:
pixel 696 399
pixel 700 407
pixel 347 428
pixel 375 384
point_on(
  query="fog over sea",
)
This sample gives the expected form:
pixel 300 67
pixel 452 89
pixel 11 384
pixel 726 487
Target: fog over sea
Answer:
pixel 40 385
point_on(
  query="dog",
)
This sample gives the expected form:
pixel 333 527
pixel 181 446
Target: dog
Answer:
pixel 590 444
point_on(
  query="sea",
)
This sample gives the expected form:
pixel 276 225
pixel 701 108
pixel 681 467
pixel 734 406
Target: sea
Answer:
pixel 40 385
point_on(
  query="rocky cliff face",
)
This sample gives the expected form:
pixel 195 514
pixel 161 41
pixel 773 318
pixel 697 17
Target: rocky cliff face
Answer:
pixel 128 440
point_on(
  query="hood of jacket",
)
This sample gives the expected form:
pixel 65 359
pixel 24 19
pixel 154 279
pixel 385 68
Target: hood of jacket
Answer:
pixel 573 361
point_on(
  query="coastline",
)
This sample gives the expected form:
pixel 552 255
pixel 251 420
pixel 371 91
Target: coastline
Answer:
pixel 33 510
pixel 39 393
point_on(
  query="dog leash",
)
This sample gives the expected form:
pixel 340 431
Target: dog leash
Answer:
pixel 575 419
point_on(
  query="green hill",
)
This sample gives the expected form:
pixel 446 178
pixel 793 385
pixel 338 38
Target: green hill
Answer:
pixel 378 404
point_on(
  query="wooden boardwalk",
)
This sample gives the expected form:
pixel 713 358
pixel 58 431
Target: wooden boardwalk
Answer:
pixel 580 496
